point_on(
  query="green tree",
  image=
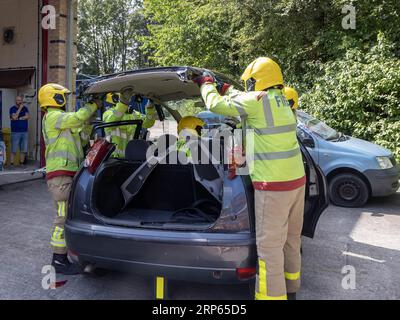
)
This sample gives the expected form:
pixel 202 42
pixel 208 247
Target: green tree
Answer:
pixel 187 33
pixel 318 56
pixel 299 34
pixel 360 94
pixel 109 34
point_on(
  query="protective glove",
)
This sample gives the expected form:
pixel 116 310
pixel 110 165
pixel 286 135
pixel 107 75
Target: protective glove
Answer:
pixel 96 98
pixel 126 95
pixel 98 101
pixel 223 88
pixel 200 80
pixel 150 105
pixel 206 77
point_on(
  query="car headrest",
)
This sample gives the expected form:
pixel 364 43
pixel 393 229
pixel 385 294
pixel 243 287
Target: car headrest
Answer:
pixel 136 150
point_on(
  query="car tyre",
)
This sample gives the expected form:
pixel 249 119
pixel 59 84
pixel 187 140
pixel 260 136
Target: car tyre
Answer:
pixel 348 190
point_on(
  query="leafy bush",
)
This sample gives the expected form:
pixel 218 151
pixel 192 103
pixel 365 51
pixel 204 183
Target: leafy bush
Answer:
pixel 360 95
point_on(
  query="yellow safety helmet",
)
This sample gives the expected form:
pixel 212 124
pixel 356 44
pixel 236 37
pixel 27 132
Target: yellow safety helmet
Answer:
pixel 193 125
pixel 53 95
pixel 113 98
pixel 261 74
pixel 292 96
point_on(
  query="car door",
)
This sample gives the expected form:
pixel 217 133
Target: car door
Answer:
pixel 317 199
pixel 309 141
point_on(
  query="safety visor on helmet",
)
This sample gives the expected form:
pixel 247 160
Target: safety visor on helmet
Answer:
pixel 250 84
pixel 291 103
pixel 199 130
pixel 115 98
pixel 61 98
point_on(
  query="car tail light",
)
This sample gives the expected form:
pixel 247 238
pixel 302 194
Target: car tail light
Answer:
pixel 246 273
pixel 96 155
pixel 72 253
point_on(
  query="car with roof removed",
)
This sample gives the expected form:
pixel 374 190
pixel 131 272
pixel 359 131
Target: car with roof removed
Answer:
pixel 192 222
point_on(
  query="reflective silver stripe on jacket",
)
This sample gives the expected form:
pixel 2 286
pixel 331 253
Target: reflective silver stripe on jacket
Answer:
pixel 119 134
pixel 85 136
pixel 276 130
pixel 60 120
pixel 117 113
pixel 62 154
pixel 44 131
pixel 66 115
pixel 269 118
pixel 240 108
pixel 277 155
pixel 64 134
pixel 120 152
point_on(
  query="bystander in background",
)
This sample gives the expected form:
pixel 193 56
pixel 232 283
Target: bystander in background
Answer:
pixel 19 115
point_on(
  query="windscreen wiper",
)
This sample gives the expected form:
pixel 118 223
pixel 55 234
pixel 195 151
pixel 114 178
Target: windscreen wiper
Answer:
pixel 342 137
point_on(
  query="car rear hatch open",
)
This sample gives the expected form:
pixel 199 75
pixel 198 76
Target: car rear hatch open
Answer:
pixel 159 84
pixel 171 190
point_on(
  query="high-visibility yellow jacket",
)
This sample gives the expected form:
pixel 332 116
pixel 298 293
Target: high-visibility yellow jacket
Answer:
pixel 85 134
pixel 277 164
pixel 61 132
pixel 181 146
pixel 123 134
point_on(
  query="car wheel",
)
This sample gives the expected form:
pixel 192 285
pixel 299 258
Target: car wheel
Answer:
pixel 348 190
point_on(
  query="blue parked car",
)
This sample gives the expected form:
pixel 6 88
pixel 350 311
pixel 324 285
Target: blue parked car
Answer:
pixel 356 169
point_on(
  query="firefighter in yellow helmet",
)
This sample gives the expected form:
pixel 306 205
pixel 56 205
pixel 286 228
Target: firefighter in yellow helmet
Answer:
pixel 192 125
pixel 277 173
pixel 188 128
pixel 112 99
pixel 293 97
pixel 120 111
pixel 64 154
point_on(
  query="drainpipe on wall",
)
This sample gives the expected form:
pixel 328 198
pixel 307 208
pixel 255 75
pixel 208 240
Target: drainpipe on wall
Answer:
pixel 70 53
pixel 45 64
pixel 37 83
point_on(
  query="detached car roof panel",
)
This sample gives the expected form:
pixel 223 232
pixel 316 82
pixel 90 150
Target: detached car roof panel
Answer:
pixel 163 84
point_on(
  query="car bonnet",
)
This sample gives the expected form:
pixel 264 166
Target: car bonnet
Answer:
pixel 354 145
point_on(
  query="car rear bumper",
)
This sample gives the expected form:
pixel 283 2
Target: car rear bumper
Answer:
pixel 197 257
pixel 383 182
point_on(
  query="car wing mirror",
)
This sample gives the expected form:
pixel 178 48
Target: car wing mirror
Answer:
pixel 308 142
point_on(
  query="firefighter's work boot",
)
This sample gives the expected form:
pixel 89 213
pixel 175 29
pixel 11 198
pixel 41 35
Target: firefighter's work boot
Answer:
pixel 62 265
pixel 291 296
